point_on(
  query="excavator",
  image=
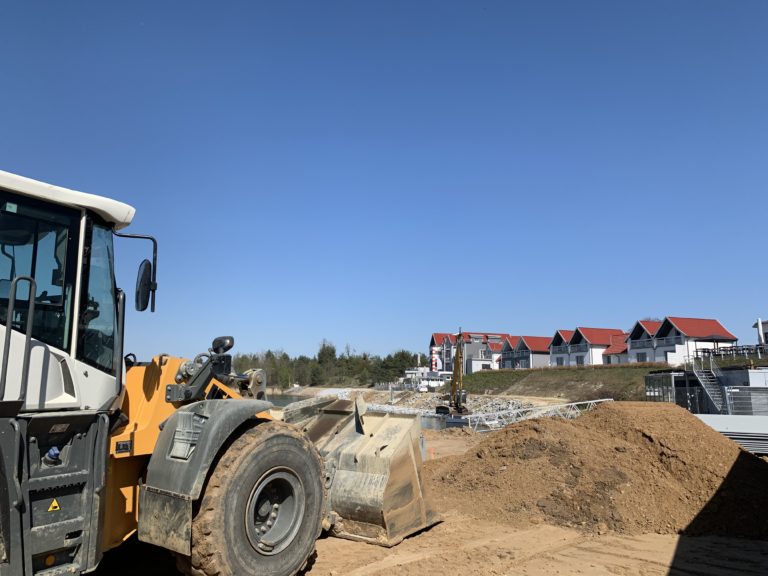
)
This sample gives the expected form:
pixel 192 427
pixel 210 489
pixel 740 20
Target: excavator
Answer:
pixel 97 445
pixel 457 396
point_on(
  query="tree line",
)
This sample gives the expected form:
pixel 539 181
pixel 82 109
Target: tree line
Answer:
pixel 327 368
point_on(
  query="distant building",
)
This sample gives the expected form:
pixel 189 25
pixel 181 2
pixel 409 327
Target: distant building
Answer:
pixel 442 347
pixel 641 342
pixel 679 338
pixel 532 352
pixel 617 352
pixel 587 345
pixel 508 352
pixel 559 355
pixel 482 350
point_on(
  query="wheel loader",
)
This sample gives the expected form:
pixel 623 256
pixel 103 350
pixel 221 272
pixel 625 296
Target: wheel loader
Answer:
pixel 96 445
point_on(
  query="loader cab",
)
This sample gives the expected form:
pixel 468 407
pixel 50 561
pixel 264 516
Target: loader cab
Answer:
pixel 57 283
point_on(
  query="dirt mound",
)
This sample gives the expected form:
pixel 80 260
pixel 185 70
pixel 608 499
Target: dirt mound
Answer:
pixel 625 467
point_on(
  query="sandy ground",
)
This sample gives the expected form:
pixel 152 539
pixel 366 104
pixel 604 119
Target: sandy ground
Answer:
pixel 460 545
pixel 463 546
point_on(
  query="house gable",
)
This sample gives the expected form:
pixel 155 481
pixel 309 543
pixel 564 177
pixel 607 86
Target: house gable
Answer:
pixel 644 329
pixel 510 343
pixel 561 338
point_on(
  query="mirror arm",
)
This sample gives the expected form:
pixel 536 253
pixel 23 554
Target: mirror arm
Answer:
pixel 153 285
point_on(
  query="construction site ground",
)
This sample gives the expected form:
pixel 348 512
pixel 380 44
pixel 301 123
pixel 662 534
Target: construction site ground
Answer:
pixel 627 489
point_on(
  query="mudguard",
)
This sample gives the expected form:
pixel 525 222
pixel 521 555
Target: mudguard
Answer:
pixel 187 446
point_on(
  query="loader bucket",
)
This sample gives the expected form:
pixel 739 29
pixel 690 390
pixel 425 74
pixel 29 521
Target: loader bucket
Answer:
pixel 373 469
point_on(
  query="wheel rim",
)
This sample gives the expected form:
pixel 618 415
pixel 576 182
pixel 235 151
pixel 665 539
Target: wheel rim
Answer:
pixel 275 510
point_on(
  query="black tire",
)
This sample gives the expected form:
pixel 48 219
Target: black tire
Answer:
pixel 262 508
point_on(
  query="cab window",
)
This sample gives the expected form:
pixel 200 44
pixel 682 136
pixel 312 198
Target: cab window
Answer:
pixel 38 240
pixel 98 311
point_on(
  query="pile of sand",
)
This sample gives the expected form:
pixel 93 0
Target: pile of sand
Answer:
pixel 625 467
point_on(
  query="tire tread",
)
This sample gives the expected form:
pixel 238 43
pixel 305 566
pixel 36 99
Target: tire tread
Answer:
pixel 207 558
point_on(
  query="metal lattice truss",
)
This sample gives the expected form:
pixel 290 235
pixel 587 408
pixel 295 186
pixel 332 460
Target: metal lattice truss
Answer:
pixel 496 420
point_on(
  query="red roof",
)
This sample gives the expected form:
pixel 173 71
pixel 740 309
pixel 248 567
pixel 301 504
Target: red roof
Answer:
pixel 650 326
pixel 702 328
pixel 495 346
pixel 513 340
pixel 599 336
pixel 566 335
pixel 618 345
pixel 439 337
pixel 537 343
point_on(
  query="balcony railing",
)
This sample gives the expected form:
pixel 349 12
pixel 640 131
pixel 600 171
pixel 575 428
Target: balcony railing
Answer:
pixel 521 353
pixel 669 341
pixel 644 343
pixel 579 347
pixel 559 349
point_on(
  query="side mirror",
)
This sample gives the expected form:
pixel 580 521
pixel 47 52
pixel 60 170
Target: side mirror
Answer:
pixel 222 344
pixel 143 285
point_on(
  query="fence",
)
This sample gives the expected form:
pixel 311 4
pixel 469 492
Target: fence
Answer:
pixel 747 400
pixel 692 398
pixel 736 352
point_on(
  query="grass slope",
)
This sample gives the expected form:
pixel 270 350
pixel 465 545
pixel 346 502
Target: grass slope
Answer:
pixel 623 382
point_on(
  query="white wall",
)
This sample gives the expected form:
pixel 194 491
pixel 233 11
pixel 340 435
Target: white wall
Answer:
pixel 476 365
pixel 595 355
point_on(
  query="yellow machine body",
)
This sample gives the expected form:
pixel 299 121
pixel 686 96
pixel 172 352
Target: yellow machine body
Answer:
pixel 131 445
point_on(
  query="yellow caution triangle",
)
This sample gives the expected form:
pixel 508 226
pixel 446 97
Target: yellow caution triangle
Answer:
pixel 54 506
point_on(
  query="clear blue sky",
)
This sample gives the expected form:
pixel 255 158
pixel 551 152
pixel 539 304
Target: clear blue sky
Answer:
pixel 371 172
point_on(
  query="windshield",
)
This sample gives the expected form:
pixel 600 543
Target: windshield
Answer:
pixel 40 241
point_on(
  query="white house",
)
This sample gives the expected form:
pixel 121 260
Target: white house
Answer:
pixel 558 348
pixel 482 350
pixel 532 352
pixel 493 349
pixel 641 344
pixel 617 352
pixel 587 345
pixel 508 351
pixel 442 347
pixel 679 338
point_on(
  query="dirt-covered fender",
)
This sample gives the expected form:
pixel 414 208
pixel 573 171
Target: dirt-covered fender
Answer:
pixel 189 442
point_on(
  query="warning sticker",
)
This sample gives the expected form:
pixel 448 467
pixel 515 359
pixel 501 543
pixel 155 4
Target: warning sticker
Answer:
pixel 54 507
